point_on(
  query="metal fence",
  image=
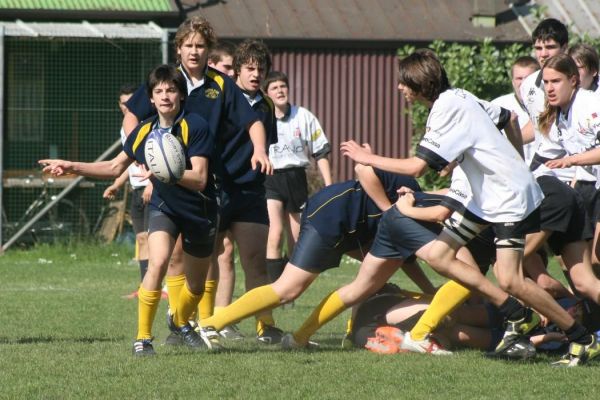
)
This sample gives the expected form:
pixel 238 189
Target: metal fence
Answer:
pixel 61 101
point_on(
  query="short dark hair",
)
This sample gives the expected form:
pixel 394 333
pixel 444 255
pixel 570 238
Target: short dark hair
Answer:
pixel 166 73
pixel 275 76
pixel 586 55
pixel 127 88
pixel 526 61
pixel 252 50
pixel 424 74
pixel 222 48
pixel 551 29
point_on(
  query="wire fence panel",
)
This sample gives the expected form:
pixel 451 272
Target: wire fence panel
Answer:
pixel 61 101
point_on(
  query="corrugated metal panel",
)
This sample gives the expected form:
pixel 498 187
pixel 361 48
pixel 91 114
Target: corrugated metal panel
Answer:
pixel 104 5
pixel 582 16
pixel 354 94
pixel 84 29
pixel 382 20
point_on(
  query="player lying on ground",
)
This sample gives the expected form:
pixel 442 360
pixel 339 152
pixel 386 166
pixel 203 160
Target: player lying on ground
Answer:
pixel 505 196
pixel 340 219
pixel 188 208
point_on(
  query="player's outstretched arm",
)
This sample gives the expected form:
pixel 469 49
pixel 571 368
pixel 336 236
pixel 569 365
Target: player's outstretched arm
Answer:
pixel 195 178
pixel 590 157
pixel 406 205
pixel 100 170
pixel 412 166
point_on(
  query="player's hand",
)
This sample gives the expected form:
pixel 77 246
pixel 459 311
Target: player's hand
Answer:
pixel 147 194
pixel 405 202
pixel 110 192
pixel 144 174
pixel 558 163
pixel 358 153
pixel 447 170
pixel 404 190
pixel 261 158
pixel 56 167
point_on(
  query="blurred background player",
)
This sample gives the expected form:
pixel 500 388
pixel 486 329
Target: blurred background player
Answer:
pixel 299 135
pixel 220 57
pixel 140 196
pixel 586 58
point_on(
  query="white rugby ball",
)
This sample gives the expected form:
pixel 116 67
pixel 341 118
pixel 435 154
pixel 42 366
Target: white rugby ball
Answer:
pixel 165 156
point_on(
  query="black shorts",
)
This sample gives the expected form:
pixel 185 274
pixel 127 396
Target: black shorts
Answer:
pixel 483 250
pixel 464 226
pixel 563 212
pixel 198 238
pixel 591 199
pixel 243 204
pixel 315 254
pixel 139 211
pixel 289 186
pixel 399 237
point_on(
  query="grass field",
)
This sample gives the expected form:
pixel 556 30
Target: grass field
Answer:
pixel 66 332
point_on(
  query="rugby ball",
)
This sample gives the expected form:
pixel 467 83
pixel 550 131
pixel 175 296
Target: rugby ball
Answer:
pixel 164 156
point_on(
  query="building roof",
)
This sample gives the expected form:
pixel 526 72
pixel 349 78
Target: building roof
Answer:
pixel 98 5
pixel 373 20
pixel 82 30
pixel 583 16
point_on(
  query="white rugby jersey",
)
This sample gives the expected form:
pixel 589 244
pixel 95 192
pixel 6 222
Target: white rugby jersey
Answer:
pixel 458 128
pixel 510 102
pixel 299 134
pixel 133 170
pixel 578 129
pixel 534 98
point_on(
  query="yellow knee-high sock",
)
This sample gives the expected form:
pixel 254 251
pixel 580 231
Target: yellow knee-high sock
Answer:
pixel 256 300
pixel 148 301
pixel 207 302
pixel 186 306
pixel 447 299
pixel 174 285
pixel 217 309
pixel 330 307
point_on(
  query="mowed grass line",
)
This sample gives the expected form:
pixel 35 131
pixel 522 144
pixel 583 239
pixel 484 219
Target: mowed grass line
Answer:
pixel 66 332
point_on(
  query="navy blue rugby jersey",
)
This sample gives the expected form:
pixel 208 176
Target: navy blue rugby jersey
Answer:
pixel 238 148
pixel 345 208
pixel 175 199
pixel 219 101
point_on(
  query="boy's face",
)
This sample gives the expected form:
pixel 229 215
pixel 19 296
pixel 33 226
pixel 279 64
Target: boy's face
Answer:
pixel 544 49
pixel 122 100
pixel 559 87
pixel 167 99
pixel 225 65
pixel 251 76
pixel 586 76
pixel 278 92
pixel 519 74
pixel 193 52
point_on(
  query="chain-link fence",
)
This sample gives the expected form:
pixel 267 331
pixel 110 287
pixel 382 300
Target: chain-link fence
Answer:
pixel 61 101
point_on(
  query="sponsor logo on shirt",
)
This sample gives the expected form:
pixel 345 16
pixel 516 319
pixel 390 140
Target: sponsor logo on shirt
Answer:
pixel 297 132
pixel 431 142
pixel 316 134
pixel 211 93
pixel 457 193
pixel 285 149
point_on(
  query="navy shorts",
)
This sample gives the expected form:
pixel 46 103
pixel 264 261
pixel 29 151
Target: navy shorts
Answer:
pixel 139 211
pixel 243 204
pixel 198 237
pixel 399 237
pixel 315 254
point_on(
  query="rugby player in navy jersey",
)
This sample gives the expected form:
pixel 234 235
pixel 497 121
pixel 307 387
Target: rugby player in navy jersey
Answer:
pixel 188 207
pixel 243 202
pixel 339 219
pixel 218 99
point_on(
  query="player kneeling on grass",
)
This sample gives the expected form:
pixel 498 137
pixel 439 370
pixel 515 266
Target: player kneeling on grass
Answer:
pixel 187 207
pixel 339 219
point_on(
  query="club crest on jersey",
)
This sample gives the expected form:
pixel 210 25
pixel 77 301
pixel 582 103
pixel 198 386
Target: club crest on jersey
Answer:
pixel 297 133
pixel 211 93
pixel 316 134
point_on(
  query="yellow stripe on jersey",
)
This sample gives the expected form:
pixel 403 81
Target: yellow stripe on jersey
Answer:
pixel 142 133
pixel 217 78
pixel 184 132
pixel 332 199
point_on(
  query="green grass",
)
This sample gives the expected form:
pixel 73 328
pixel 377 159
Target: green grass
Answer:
pixel 66 332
